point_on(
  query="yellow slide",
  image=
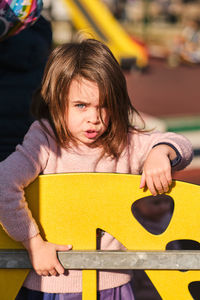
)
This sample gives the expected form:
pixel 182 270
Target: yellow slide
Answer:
pixel 95 19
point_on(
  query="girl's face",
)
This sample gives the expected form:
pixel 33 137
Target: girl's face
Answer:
pixel 83 112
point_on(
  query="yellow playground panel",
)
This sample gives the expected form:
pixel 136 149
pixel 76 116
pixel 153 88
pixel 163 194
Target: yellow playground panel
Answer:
pixel 94 19
pixel 100 200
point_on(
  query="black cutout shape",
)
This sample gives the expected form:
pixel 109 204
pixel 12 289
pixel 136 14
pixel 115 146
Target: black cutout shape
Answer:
pixel 194 289
pixel 183 245
pixel 143 287
pixel 154 213
pixel 99 234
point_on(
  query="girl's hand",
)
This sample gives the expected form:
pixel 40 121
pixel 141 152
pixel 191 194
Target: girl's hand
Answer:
pixel 156 173
pixel 43 256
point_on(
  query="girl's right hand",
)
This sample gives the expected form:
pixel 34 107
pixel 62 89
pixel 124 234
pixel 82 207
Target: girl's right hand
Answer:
pixel 156 175
pixel 43 256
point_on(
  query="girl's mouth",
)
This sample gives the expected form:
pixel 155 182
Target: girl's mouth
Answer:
pixel 91 134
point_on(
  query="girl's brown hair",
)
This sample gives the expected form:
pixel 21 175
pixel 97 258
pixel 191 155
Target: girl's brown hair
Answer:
pixel 93 61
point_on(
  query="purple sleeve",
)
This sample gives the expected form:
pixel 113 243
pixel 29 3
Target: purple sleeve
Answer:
pixel 17 172
pixel 141 144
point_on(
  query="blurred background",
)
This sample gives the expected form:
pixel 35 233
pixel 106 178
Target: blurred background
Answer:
pixel 157 43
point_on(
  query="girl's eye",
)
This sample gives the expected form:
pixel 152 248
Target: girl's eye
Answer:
pixel 80 105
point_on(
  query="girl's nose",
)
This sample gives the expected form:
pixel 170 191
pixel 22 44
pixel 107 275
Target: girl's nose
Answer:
pixel 93 116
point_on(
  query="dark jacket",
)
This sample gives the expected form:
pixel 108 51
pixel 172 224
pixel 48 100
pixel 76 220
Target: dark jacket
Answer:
pixel 22 61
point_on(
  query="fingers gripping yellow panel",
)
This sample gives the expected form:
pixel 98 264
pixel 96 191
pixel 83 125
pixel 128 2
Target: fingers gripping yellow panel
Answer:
pixel 70 207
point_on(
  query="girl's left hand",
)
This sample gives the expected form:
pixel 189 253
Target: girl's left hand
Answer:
pixel 43 256
pixel 156 173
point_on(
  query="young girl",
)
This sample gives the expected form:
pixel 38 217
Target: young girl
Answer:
pixel 83 125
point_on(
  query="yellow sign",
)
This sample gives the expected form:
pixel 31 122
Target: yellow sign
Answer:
pixel 99 200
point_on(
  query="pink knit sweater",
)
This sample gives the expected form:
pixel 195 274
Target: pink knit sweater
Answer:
pixel 39 154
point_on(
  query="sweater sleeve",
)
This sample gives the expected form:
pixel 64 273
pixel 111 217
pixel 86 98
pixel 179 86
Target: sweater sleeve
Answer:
pixel 17 172
pixel 140 145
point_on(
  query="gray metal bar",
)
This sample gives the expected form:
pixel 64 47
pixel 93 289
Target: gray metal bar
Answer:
pixel 14 259
pixel 148 260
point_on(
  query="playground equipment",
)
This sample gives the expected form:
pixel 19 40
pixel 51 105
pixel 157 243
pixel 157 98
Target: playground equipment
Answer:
pixel 17 15
pixel 116 192
pixel 94 19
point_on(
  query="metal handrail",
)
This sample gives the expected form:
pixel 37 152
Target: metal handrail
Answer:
pixel 110 260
